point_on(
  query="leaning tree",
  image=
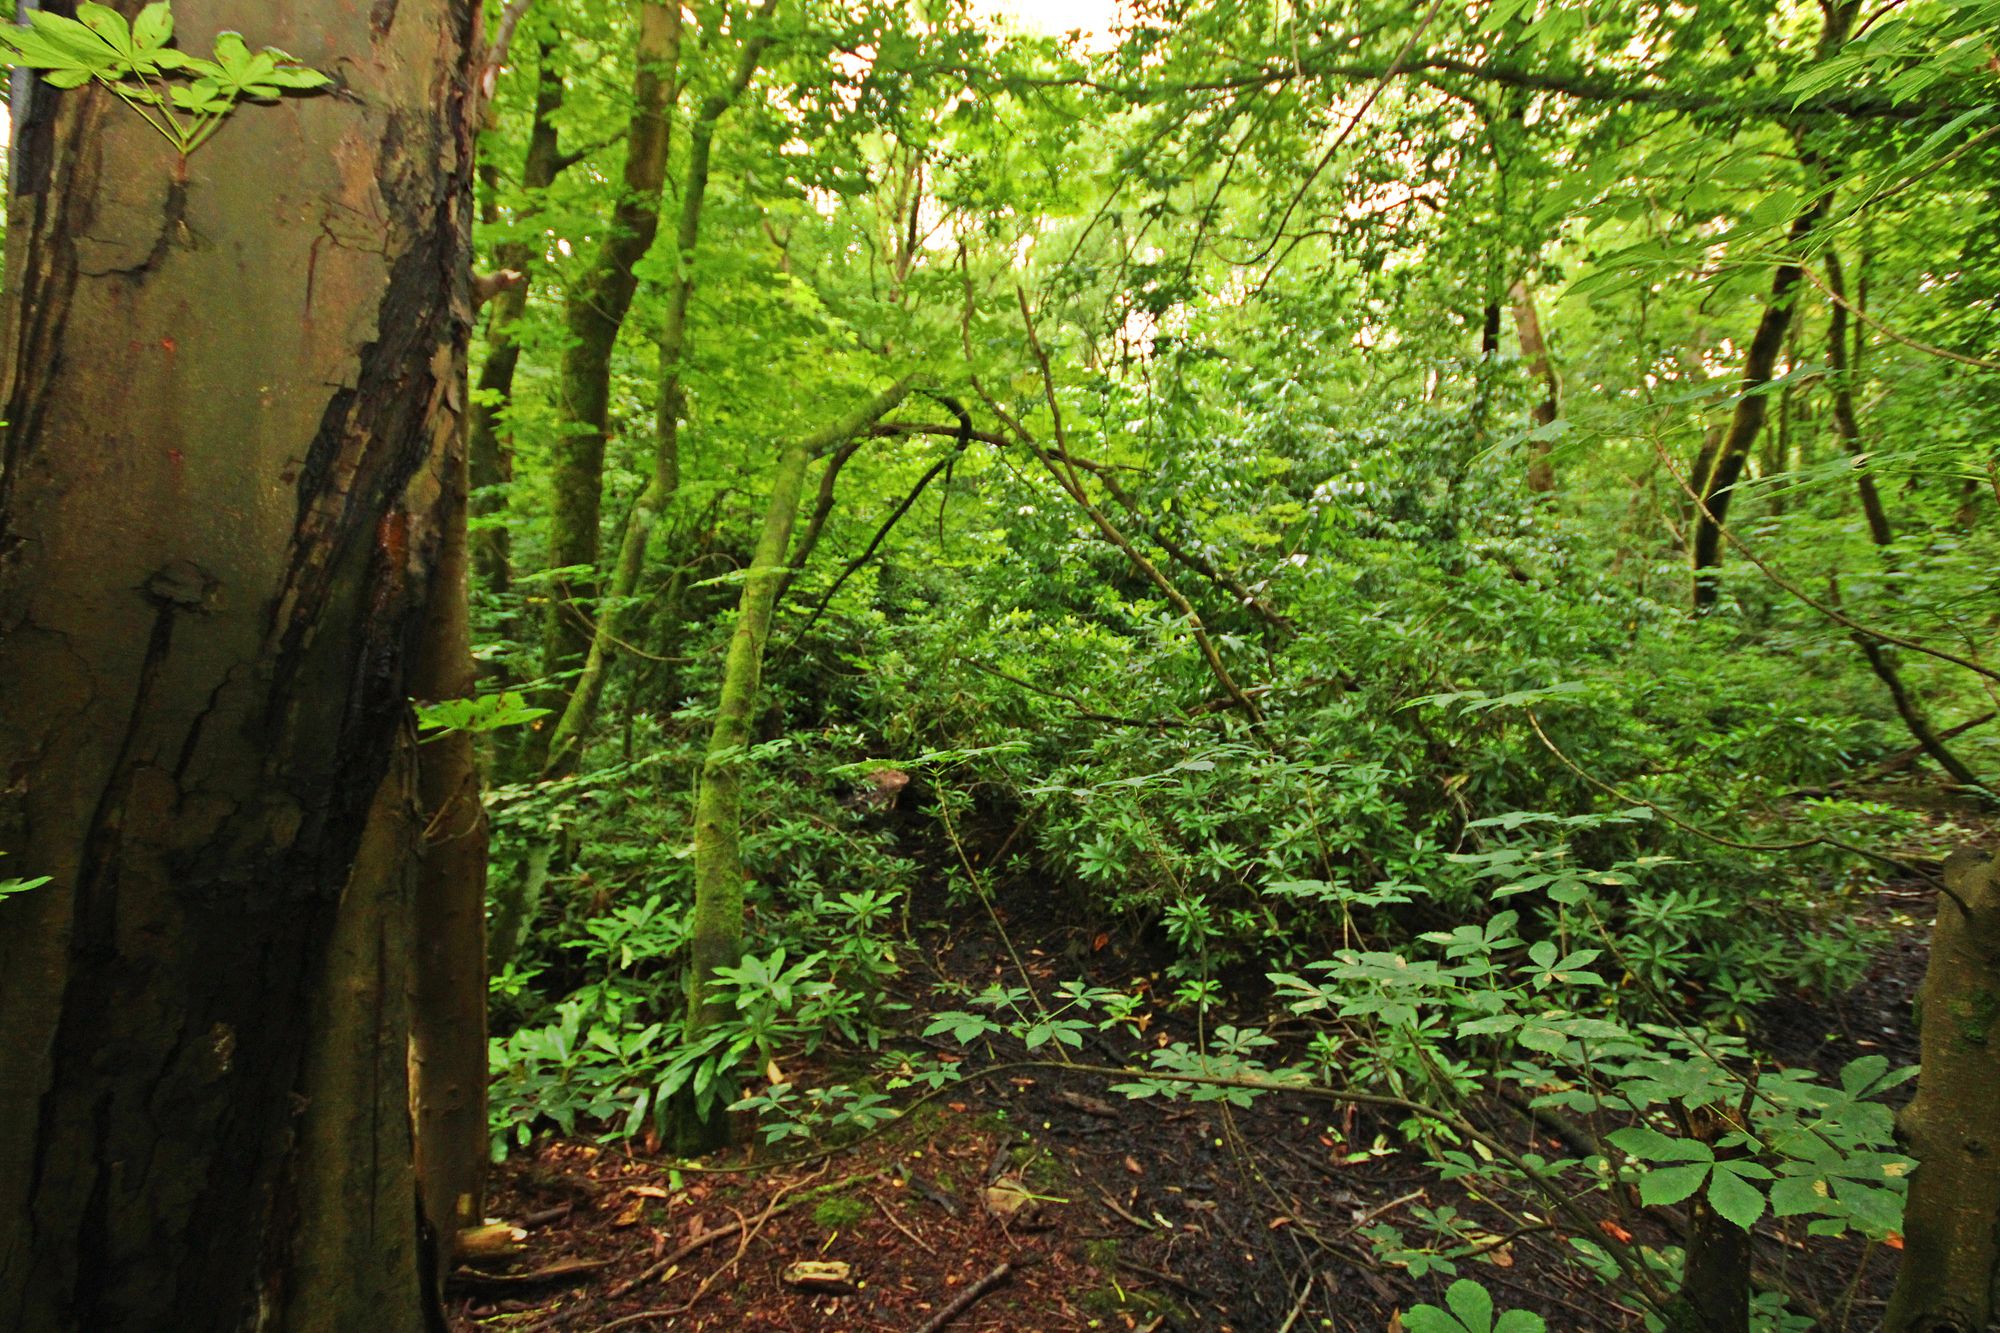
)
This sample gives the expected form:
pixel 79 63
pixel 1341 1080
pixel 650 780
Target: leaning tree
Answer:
pixel 233 380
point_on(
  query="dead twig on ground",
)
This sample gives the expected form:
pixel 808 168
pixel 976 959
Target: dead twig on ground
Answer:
pixel 889 1216
pixel 471 1279
pixel 708 1238
pixel 967 1299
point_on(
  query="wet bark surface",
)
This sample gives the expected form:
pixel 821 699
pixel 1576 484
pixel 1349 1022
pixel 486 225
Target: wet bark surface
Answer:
pixel 228 392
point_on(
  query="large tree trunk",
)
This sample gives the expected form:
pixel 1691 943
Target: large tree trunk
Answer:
pixel 229 395
pixel 599 299
pixel 1951 1222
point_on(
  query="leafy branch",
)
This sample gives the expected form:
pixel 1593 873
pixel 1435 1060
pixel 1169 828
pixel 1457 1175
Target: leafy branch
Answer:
pixel 185 97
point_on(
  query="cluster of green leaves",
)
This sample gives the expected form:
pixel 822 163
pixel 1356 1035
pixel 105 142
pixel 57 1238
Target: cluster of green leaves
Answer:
pixel 185 97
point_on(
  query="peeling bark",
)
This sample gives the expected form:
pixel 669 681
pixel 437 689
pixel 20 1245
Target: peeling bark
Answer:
pixel 228 403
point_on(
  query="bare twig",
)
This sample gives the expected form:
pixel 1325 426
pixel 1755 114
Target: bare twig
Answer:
pixel 966 1299
pixel 1902 867
pixel 560 1271
pixel 1897 762
pixel 708 1238
pixel 1066 476
pixel 495 57
pixel 889 1216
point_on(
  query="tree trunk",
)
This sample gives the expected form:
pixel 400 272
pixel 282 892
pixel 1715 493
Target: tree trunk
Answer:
pixel 492 464
pixel 448 1036
pixel 598 301
pixel 1715 482
pixel 1845 421
pixel 1714 1296
pixel 572 730
pixel 1535 351
pixel 230 393
pixel 1951 1222
pixel 718 849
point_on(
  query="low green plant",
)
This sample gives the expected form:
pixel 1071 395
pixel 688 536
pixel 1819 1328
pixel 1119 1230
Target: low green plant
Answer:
pixel 1471 1311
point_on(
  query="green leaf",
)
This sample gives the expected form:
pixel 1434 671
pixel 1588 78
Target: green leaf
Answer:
pixel 10 887
pixel 1650 1145
pixel 1521 1321
pixel 1734 1198
pixel 1800 1194
pixel 1671 1184
pixel 297 78
pixel 154 27
pixel 1473 1305
pixel 1774 210
pixel 232 53
pixel 108 24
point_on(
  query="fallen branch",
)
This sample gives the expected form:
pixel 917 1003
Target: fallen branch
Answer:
pixel 967 1299
pixel 560 1271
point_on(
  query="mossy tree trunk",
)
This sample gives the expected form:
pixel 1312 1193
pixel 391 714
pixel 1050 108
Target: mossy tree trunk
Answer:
pixel 579 714
pixel 599 300
pixel 491 461
pixel 1951 1221
pixel 718 832
pixel 230 396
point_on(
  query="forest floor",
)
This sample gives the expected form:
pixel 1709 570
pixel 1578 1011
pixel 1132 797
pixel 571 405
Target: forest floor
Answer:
pixel 1111 1214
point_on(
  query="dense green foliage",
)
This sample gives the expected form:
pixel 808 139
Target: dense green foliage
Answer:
pixel 1239 579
